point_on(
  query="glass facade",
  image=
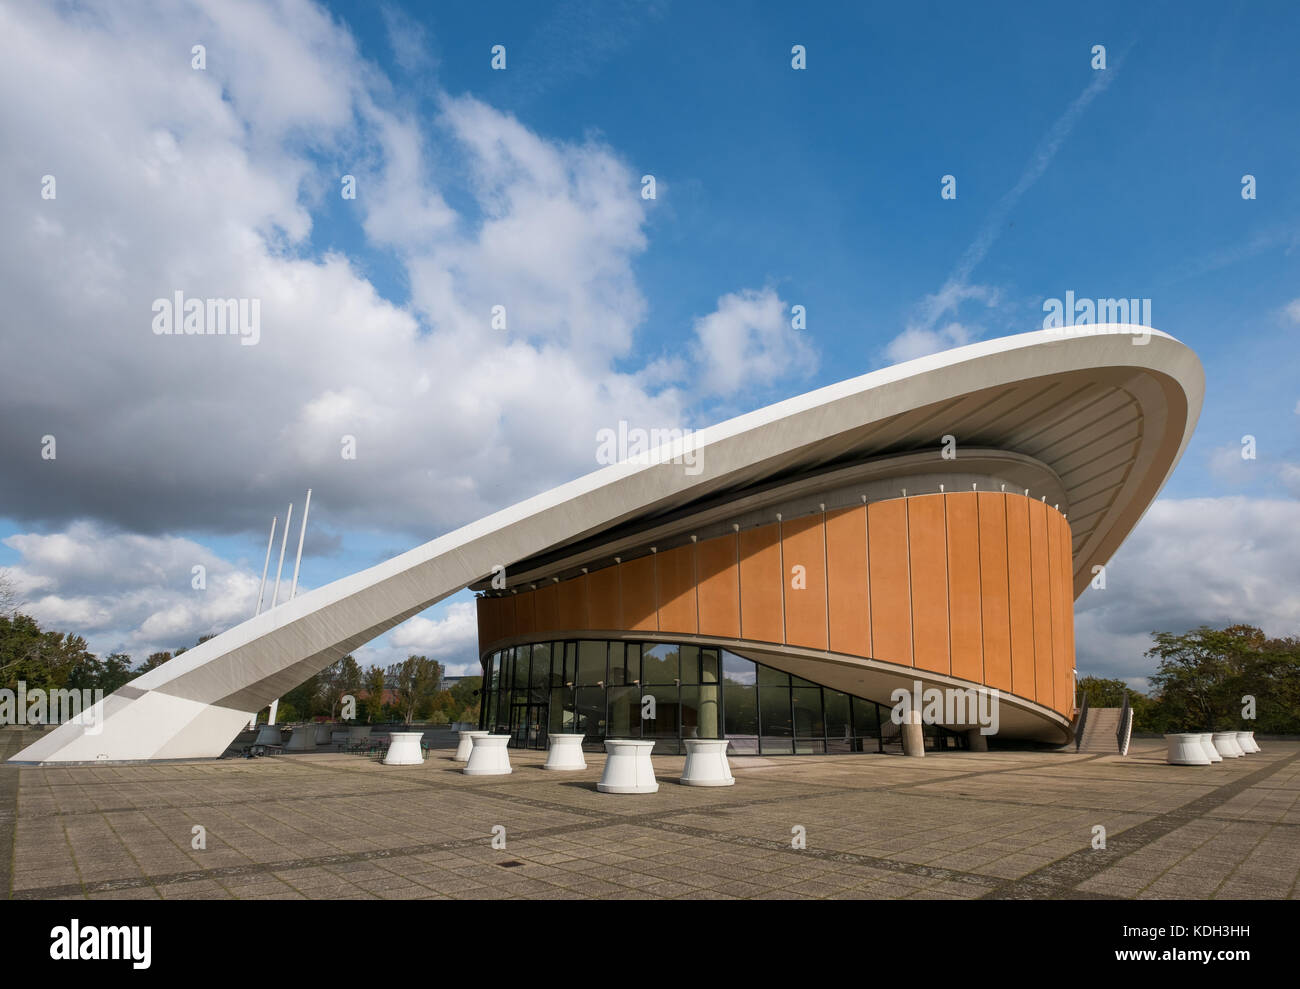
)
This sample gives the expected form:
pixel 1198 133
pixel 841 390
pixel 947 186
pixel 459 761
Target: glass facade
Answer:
pixel 670 692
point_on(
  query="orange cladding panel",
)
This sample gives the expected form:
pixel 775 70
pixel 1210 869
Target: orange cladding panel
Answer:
pixel 602 597
pixel 1063 621
pixel 548 615
pixel 995 612
pixel 719 587
pixel 1021 581
pixel 847 592
pixel 760 584
pixel 803 546
pixel 573 603
pixel 640 612
pixel 964 613
pixel 929 556
pixel 484 612
pixel 1042 568
pixel 525 616
pixel 676 574
pixel 891 596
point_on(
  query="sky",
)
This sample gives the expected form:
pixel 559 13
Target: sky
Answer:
pixel 136 166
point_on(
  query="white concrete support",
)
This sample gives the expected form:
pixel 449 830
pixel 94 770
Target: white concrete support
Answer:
pixel 324 732
pixel 358 733
pixel 628 768
pixel 1185 750
pixel 1246 742
pixel 303 739
pixel 489 756
pixel 565 752
pixel 339 736
pixel 1207 746
pixel 1226 743
pixel 466 745
pixel 269 735
pixel 404 749
pixel 706 763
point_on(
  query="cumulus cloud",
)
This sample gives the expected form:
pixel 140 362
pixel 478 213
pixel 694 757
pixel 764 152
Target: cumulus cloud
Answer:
pixel 915 341
pixel 127 592
pixel 1211 561
pixel 748 341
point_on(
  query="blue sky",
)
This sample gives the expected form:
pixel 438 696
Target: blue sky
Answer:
pixel 775 187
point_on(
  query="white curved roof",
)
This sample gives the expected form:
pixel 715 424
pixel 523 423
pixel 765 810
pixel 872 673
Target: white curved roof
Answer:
pixel 1110 416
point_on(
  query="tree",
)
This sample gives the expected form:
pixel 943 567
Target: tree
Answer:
pixel 1200 678
pixel 338 680
pixel 375 682
pixel 415 683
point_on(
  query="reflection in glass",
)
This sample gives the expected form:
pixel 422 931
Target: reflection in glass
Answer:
pixel 624 712
pixel 591 663
pixel 659 663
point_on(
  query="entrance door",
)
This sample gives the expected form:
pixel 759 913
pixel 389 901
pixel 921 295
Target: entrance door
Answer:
pixel 526 728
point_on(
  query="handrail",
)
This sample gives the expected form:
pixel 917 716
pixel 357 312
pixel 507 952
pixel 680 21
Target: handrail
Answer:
pixel 1082 720
pixel 1124 731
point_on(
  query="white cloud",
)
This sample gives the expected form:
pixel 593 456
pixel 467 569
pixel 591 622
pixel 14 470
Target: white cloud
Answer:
pixel 1211 561
pixel 748 341
pixel 1292 311
pixel 916 341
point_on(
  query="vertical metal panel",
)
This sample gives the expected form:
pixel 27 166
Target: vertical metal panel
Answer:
pixel 760 584
pixel 965 618
pixel 1042 567
pixel 602 593
pixel 847 591
pixel 573 603
pixel 1020 577
pixel 548 613
pixel 719 593
pixel 1063 617
pixel 928 548
pixel 995 606
pixel 891 595
pixel 803 544
pixel 640 609
pixel 525 615
pixel 676 577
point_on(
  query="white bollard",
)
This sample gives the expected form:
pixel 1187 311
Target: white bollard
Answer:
pixel 358 733
pixel 404 749
pixel 1226 743
pixel 269 735
pixel 489 756
pixel 1246 742
pixel 1207 745
pixel 706 763
pixel 324 731
pixel 565 752
pixel 1185 750
pixel 466 745
pixel 628 768
pixel 303 739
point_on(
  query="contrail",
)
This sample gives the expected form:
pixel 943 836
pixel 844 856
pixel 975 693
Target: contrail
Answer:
pixel 955 287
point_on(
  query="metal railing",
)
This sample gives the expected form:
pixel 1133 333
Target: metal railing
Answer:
pixel 1079 724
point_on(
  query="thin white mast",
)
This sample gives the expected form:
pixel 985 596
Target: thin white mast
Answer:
pixel 301 536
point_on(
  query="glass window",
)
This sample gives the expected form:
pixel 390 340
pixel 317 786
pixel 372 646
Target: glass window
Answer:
pixel 591 663
pixel 659 663
pixel 737 669
pixel 866 718
pixel 768 677
pixel 541 664
pixel 559 675
pixel 664 725
pixel 709 666
pixel 618 674
pixel 521 666
pixel 690 664
pixel 589 708
pixel 809 725
pixel 624 712
pixel 562 717
pixel 740 716
pixel 776 730
pixel 839 723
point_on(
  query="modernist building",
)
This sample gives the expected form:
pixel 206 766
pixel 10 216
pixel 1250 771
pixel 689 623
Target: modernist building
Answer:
pixel 930 522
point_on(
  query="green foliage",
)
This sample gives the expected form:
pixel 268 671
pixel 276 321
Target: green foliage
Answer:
pixel 373 683
pixel 415 685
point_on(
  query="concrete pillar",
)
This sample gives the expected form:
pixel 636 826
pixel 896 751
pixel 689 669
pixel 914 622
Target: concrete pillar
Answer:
pixel 708 724
pixel 977 741
pixel 1185 750
pixel 488 757
pixel 913 738
pixel 466 745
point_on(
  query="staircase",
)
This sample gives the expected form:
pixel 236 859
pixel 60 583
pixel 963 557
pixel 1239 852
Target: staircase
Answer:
pixel 1099 731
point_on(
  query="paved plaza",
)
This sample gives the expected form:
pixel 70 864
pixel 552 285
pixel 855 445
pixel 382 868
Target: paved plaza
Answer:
pixel 949 826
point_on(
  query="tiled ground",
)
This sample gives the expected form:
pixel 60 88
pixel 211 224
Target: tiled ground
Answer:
pixel 958 825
